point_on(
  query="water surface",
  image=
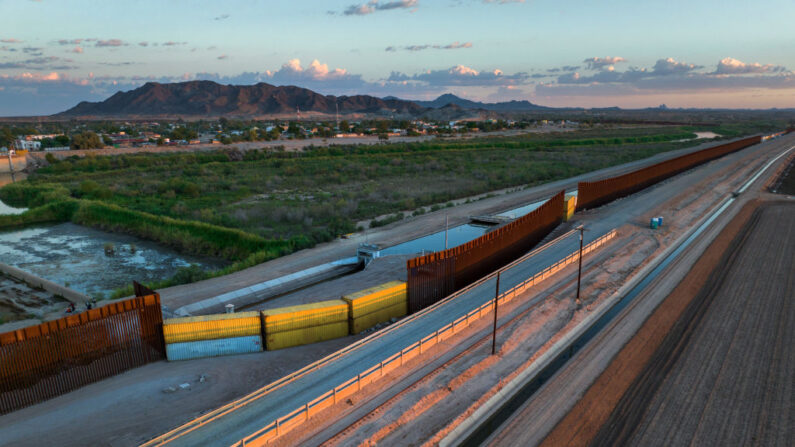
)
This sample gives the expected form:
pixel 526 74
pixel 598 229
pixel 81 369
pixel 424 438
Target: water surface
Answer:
pixel 74 256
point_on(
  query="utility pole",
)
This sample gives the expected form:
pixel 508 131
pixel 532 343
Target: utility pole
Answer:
pixel 579 271
pixel 337 105
pixel 494 331
pixel 11 163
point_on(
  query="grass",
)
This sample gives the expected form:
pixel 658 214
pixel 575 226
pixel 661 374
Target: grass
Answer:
pixel 251 207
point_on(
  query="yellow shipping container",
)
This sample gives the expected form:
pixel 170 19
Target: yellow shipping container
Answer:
pixel 376 305
pixel 211 327
pixel 569 206
pixel 305 336
pixel 306 323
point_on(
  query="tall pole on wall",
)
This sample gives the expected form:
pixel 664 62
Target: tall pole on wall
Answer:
pixel 494 331
pixel 579 270
pixel 445 231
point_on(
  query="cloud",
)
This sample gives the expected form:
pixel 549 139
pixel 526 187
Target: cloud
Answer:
pixel 461 75
pixel 143 44
pixel 221 17
pixel 110 43
pixel 173 44
pixel 39 63
pixel 374 5
pixel 223 57
pixel 452 46
pixel 70 41
pixel 603 63
pixel 730 65
pixel 10 40
pixel 670 66
pixel 671 76
pixel 77 50
pixel 503 2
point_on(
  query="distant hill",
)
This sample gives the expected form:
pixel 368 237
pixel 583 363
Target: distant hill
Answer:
pixel 509 106
pixel 207 98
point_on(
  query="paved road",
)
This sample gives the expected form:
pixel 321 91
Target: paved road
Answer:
pixel 231 428
pixel 178 296
pixel 727 378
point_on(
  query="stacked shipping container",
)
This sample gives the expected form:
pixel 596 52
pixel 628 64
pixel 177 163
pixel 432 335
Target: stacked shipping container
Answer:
pixel 212 335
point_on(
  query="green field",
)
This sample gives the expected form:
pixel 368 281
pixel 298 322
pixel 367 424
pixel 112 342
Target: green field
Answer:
pixel 251 206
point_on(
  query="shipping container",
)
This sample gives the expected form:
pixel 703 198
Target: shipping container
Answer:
pixel 305 336
pixel 211 327
pixel 213 348
pixel 306 323
pixel 569 206
pixel 376 305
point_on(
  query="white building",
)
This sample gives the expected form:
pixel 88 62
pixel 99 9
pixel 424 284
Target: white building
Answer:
pixel 28 145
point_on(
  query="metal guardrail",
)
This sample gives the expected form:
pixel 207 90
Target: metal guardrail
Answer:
pixel 353 385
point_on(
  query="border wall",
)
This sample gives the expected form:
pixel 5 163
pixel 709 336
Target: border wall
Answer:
pixel 40 362
pixel 434 276
pixel 594 194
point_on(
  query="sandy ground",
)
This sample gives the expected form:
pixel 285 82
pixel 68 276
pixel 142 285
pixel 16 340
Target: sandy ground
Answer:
pixel 430 408
pixel 130 408
pixel 723 374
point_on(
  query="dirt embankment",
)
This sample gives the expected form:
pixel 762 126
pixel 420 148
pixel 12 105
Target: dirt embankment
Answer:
pixel 592 412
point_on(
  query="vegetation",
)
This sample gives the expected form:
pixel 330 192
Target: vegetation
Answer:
pixel 87 140
pixel 249 207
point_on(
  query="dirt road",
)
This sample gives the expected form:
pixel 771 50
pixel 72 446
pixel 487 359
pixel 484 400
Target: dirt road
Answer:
pixel 724 375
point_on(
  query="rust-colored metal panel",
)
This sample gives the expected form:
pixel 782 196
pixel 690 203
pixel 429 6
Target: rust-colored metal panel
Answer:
pixel 437 275
pixel 594 194
pixel 53 358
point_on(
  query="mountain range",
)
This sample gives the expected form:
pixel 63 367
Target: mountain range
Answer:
pixel 210 99
pixel 207 98
pixel 508 106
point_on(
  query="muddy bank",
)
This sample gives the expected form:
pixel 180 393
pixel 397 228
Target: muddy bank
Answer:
pixel 91 261
pixel 18 301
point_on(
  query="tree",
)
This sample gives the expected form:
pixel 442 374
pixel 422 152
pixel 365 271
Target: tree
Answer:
pixel 344 126
pixel 86 140
pixel 107 140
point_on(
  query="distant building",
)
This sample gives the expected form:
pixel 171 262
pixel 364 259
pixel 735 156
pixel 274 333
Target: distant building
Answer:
pixel 28 145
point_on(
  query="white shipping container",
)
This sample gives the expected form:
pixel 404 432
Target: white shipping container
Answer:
pixel 213 348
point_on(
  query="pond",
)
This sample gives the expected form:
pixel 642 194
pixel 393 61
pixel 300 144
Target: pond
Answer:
pixel 75 256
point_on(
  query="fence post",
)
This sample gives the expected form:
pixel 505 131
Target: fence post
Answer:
pixel 335 395
pixel 359 381
pixel 277 427
pixel 307 411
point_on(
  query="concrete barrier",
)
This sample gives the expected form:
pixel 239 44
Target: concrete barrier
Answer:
pixel 41 283
pixel 272 288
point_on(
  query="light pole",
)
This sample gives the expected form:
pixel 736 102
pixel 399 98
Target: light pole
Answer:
pixel 494 331
pixel 579 271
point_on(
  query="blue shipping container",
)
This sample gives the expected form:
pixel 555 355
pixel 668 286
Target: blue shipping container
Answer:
pixel 213 348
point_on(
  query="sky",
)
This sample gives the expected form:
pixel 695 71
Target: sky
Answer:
pixel 585 53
